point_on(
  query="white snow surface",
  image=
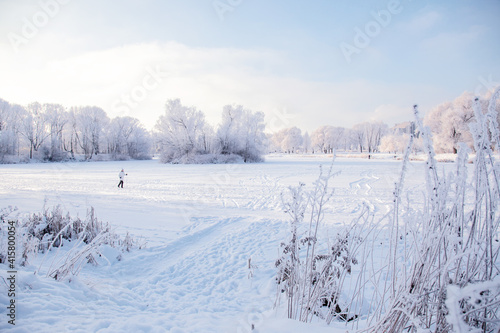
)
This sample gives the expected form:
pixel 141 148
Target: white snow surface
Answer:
pixel 202 224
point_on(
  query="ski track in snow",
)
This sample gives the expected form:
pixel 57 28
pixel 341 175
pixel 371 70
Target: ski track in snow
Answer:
pixel 363 186
pixel 203 224
pixel 363 189
pixel 199 278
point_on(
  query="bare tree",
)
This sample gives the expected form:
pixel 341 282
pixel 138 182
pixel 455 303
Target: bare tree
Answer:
pixel 56 118
pixel 126 137
pixel 288 140
pixel 10 116
pixel 89 122
pixel 374 132
pixel 359 135
pixel 34 128
pixel 306 145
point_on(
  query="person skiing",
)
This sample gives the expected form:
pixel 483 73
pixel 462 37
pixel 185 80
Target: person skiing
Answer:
pixel 122 175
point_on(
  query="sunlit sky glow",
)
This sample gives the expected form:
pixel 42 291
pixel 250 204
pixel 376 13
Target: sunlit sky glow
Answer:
pixel 280 57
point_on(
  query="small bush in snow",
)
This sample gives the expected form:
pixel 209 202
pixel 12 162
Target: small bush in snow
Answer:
pixel 310 277
pixel 52 227
pixel 51 230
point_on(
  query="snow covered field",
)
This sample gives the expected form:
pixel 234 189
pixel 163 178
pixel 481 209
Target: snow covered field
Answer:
pixel 202 224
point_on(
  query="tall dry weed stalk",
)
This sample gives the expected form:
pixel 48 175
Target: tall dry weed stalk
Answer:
pixel 440 272
pixel 452 282
pixel 310 276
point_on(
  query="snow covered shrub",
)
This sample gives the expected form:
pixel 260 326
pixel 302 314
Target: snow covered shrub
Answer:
pixel 54 226
pixel 83 240
pixel 72 262
pixel 90 238
pixel 444 275
pixel 310 275
pixel 210 159
pixel 40 232
pixel 471 304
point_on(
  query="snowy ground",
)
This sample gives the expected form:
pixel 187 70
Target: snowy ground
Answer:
pixel 202 224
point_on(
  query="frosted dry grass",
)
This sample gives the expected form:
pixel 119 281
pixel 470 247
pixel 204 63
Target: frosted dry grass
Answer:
pixel 453 279
pixel 439 272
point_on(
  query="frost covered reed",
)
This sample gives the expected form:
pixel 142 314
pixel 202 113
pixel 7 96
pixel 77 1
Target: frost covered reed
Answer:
pixel 310 276
pixel 445 277
pixel 439 271
pixel 50 231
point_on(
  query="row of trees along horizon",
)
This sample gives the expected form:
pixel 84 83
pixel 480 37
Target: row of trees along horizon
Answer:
pixel 51 132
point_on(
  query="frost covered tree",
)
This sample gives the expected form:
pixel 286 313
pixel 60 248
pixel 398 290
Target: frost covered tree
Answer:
pixel 293 140
pixel 126 137
pixel 319 139
pixel 287 140
pixel 89 122
pixel 374 133
pixel 449 123
pixel 275 140
pixel 52 133
pixel 180 132
pixel 10 120
pixel 394 143
pixel 4 127
pixel 118 133
pixel 139 144
pixel 241 132
pixel 347 141
pixel 335 135
pixel 33 127
pixel 306 144
pixel 396 139
pixel 70 133
pixel 56 118
pixel 359 136
pixel 327 138
pixel 230 130
pixel 367 135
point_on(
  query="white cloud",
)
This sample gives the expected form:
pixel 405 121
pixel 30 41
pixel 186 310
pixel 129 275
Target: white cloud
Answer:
pixel 453 41
pixel 423 22
pixel 394 113
pixel 120 80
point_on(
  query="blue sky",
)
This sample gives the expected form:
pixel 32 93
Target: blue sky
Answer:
pixel 281 57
